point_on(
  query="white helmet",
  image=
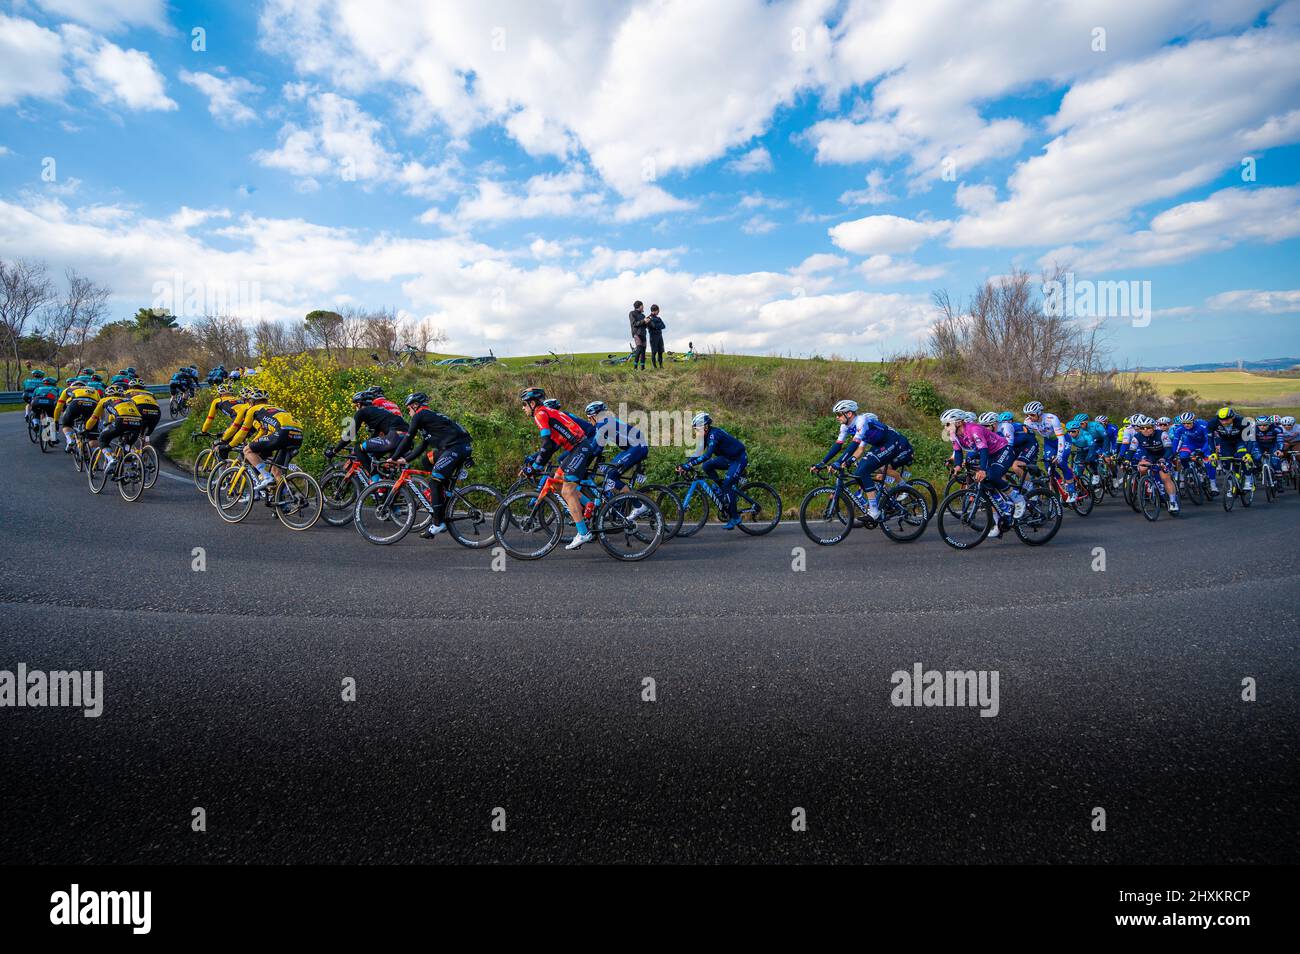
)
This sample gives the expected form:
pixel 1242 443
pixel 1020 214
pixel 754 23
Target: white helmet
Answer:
pixel 699 420
pixel 954 415
pixel 872 419
pixel 971 417
pixel 989 418
pixel 845 407
pixel 1034 407
pixel 1289 421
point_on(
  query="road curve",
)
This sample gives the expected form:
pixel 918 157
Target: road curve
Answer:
pixel 522 690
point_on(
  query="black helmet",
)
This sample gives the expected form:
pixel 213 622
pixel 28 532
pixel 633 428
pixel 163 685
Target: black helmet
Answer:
pixel 552 403
pixel 416 397
pixel 532 394
pixel 363 397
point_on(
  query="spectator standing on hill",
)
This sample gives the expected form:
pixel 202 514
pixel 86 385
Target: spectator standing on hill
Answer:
pixel 637 319
pixel 656 326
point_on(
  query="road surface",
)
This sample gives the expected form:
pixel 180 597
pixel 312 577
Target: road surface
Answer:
pixel 522 690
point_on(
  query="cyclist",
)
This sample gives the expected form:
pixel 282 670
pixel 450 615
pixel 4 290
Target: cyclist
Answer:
pixel 179 385
pixel 1153 448
pixel 1189 438
pixel 873 445
pixel 452 443
pixel 1084 444
pixel 76 403
pixel 1227 431
pixel 1111 432
pixel 1056 445
pixel 561 431
pixel 274 431
pixel 723 457
pixel 378 400
pixel 150 413
pixel 225 402
pixel 120 420
pixel 1290 434
pixel 387 428
pixel 242 409
pixel 994 452
pixel 627 439
pixel 35 378
pixel 1023 443
pixel 1268 438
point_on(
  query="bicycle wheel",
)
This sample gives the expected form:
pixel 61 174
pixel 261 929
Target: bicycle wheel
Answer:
pixel 1149 497
pixel 339 495
pixel 695 506
pixel 235 493
pixel 1266 477
pixel 629 526
pixel 33 430
pixel 1131 491
pixel 927 491
pixel 1084 501
pixel 97 470
pixel 214 478
pixel 965 519
pixel 1192 486
pixel 297 501
pixel 669 505
pixel 202 467
pixel 149 457
pixel 759 507
pixel 384 517
pixel 130 477
pixel 528 527
pixel 422 517
pixel 78 455
pixel 1228 481
pixel 469 515
pixel 41 442
pixel 1041 520
pixel 904 514
pixel 826 516
pixel 1247 493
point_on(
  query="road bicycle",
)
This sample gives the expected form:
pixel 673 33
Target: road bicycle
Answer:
pixel 617 359
pixel 151 461
pixel 126 470
pixel 1083 495
pixel 1266 478
pixel 552 360
pixel 529 523
pixel 341 485
pixel 43 432
pixel 1232 483
pixel 828 514
pixel 407 355
pixel 80 452
pixel 690 354
pixel 387 510
pixel 179 406
pixel 1151 495
pixel 758 505
pixel 294 497
pixel 1192 481
pixel 662 494
pixel 967 516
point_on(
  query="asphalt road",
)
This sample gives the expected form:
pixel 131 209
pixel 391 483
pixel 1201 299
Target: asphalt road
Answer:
pixel 522 690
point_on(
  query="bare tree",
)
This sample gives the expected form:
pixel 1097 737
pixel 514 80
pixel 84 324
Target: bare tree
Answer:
pixel 224 337
pixel 425 335
pixel 271 338
pixel 70 321
pixel 381 331
pixel 25 289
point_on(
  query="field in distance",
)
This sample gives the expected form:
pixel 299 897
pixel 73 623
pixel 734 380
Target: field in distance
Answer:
pixel 1261 393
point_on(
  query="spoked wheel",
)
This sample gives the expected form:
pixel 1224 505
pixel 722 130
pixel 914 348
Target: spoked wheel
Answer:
pixel 759 507
pixel 203 464
pixel 669 505
pixel 528 527
pixel 629 526
pixel 904 514
pixel 214 479
pixel 149 456
pixel 340 493
pixel 1149 497
pixel 1229 492
pixel 965 519
pixel 78 456
pixel 826 516
pixel 1131 492
pixel 297 501
pixel 1041 520
pixel 42 438
pixel 1266 476
pixel 235 493
pixel 1083 498
pixel 1247 493
pixel 1192 487
pixel 33 430
pixel 469 515
pixel 131 477
pixel 382 516
pixel 926 490
pixel 97 470
pixel 695 507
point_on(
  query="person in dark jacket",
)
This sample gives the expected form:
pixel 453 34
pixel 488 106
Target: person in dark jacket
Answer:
pixel 637 319
pixel 655 325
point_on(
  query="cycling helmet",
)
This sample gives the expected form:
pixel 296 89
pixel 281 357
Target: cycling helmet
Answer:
pixel 86 371
pixel 416 397
pixel 1164 420
pixel 36 373
pixel 971 417
pixel 870 418
pixel 1128 421
pixel 96 377
pixel 1006 416
pixel 845 407
pixel 1102 419
pixel 257 394
pixel 1144 421
pixel 1225 413
pixel 989 418
pixel 595 407
pixel 377 390
pixel 225 390
pixel 1082 418
pixel 532 394
pixel 1073 424
pixel 954 415
pixel 1288 421
pixel 1263 419
pixel 1033 407
pixel 552 403
pixel 137 383
pixel 113 389
pixel 361 397
pixel 703 419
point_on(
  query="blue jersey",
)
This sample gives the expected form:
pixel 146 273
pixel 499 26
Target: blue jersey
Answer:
pixel 46 392
pixel 610 431
pixel 718 443
pixel 31 384
pixel 1190 440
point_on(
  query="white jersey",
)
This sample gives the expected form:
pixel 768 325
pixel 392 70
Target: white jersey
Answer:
pixel 1048 425
pixel 854 429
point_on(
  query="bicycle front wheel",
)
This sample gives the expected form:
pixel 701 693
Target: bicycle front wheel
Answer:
pixel 339 494
pixel 1230 489
pixel 298 501
pixel 927 491
pixel 1041 520
pixel 826 516
pixel 965 519
pixel 759 507
pixel 382 516
pixel 695 507
pixel 904 514
pixel 527 526
pixel 131 477
pixel 629 526
pixel 1149 497
pixel 669 505
pixel 469 515
pixel 202 468
pixel 234 493
pixel 97 470
pixel 149 456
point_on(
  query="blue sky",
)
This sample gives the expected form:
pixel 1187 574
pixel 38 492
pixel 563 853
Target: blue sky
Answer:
pixel 780 177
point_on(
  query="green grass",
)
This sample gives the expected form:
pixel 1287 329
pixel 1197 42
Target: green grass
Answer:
pixel 1259 393
pixel 10 407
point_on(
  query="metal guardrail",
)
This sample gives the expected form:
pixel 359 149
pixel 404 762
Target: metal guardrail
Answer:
pixel 16 397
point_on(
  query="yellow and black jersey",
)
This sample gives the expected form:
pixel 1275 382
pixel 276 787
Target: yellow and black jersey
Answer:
pixel 237 412
pixel 142 399
pixel 112 409
pixel 263 420
pixel 77 396
pixel 226 405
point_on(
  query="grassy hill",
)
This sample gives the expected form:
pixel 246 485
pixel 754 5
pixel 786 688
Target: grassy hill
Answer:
pixel 1257 393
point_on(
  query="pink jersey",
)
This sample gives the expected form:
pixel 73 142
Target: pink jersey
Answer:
pixel 977 437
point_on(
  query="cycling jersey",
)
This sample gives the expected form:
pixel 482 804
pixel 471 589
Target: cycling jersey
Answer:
pixel 226 405
pixel 378 421
pixel 1190 439
pixel 30 385
pixel 1112 438
pixel 265 420
pixel 1085 446
pixel 237 414
pixel 718 443
pixel 437 431
pixel 1155 446
pixel 1018 436
pixel 613 432
pixel 563 431
pixel 977 441
pixel 847 432
pixel 142 398
pixel 46 396
pixel 389 406
pixel 114 409
pixel 1267 437
pixel 1056 443
pixel 1227 430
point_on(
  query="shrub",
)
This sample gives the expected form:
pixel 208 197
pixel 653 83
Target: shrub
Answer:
pixel 922 396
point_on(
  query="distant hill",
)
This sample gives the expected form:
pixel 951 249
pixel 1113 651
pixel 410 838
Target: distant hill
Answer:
pixel 1269 364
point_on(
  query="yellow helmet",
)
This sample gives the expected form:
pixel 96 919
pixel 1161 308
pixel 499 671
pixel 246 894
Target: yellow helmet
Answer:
pixel 1225 413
